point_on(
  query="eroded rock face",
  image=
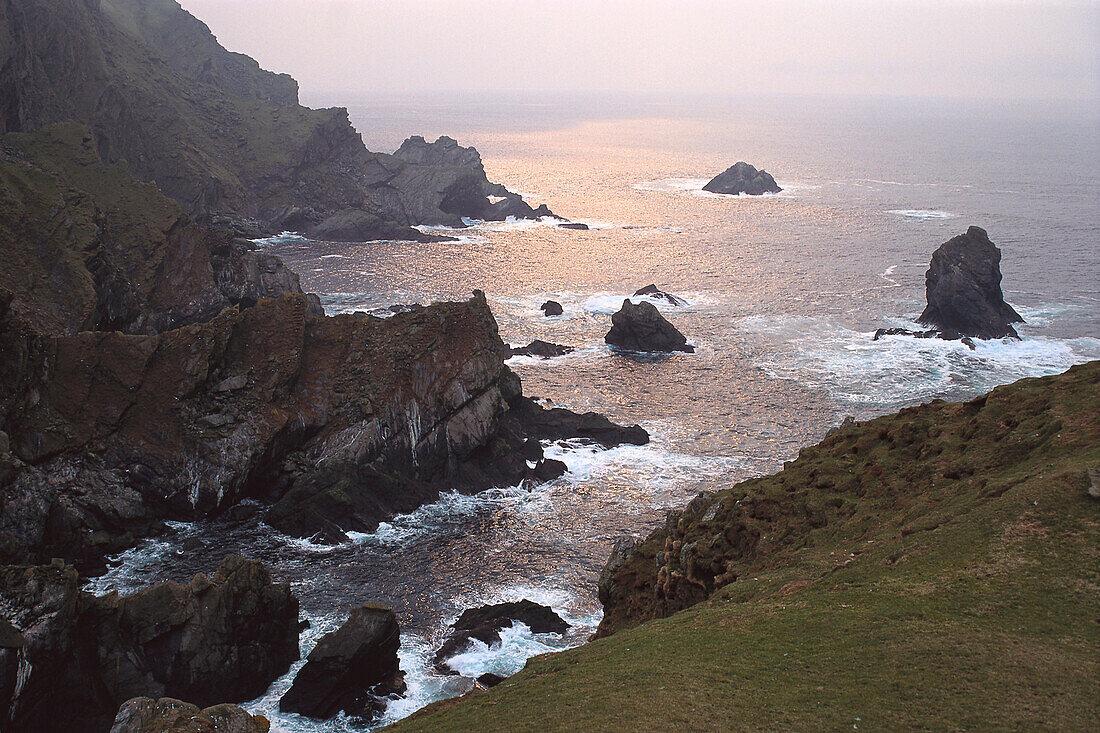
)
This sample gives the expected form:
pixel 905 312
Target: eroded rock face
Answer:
pixel 349 668
pixel 963 286
pixel 167 715
pixel 743 178
pixel 486 622
pixel 224 638
pixel 641 327
pixel 89 248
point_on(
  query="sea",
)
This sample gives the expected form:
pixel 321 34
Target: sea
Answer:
pixel 783 292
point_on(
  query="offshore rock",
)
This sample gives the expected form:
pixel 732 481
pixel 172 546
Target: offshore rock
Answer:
pixel 89 248
pixel 551 308
pixel 167 715
pixel 642 328
pixel 743 178
pixel 216 639
pixel 655 292
pixel 486 622
pixel 542 350
pixel 349 668
pixel 353 225
pixel 930 334
pixel 963 286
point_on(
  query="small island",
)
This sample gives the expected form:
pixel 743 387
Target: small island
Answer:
pixel 743 178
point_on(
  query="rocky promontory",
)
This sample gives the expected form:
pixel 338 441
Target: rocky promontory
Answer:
pixel 742 178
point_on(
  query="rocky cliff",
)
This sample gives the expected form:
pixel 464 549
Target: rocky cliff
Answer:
pixel 223 138
pixel 86 247
pixel 74 658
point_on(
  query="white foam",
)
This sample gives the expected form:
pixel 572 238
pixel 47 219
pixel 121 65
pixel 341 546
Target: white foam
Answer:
pixel 517 644
pixel 923 214
pixel 284 238
pixel 136 568
pixel 587 353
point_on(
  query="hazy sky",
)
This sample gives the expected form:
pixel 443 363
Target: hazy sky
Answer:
pixel 954 48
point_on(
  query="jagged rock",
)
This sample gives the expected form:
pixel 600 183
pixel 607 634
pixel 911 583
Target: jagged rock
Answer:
pixel 743 178
pixel 963 286
pixel 167 715
pixel 542 350
pixel 353 225
pixel 126 258
pixel 655 292
pixel 216 639
pixel 541 423
pixel 485 623
pixel 239 151
pixel 620 551
pixel 551 308
pixel 930 334
pixel 642 328
pixel 349 667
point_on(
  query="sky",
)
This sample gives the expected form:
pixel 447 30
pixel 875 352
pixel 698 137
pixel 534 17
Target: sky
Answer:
pixel 968 49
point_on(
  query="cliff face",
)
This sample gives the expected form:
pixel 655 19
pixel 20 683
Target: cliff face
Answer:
pixel 340 422
pixel 216 133
pixel 88 248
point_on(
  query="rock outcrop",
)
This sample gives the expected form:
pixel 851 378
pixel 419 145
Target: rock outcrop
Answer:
pixel 743 178
pixel 963 287
pixel 145 715
pixel 551 308
pixel 354 225
pixel 350 668
pixel 642 328
pixel 89 248
pixel 218 639
pixel 486 622
pixel 542 350
pixel 222 137
pixel 654 292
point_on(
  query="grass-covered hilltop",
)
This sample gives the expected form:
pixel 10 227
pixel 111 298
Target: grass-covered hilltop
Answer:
pixel 937 569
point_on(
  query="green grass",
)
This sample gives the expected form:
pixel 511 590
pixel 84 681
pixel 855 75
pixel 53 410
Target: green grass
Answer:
pixel 955 587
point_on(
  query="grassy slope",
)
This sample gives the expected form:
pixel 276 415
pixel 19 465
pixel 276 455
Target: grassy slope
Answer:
pixel 934 598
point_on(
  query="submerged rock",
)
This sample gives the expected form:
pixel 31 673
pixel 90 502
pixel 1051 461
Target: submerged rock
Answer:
pixel 574 225
pixel 930 334
pixel 743 178
pixel 551 308
pixel 542 350
pixel 642 328
pixel 348 667
pixel 963 287
pixel 655 292
pixel 167 715
pixel 486 622
pixel 218 639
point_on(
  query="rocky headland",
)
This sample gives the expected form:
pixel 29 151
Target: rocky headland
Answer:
pixel 742 178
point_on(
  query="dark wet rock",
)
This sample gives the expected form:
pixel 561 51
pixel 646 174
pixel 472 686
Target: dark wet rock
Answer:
pixel 224 638
pixel 929 334
pixel 743 178
pixel 542 350
pixel 574 225
pixel 642 328
pixel 551 308
pixel 167 715
pixel 354 225
pixel 489 679
pixel 559 424
pixel 486 622
pixel 655 292
pixel 963 287
pixel 349 667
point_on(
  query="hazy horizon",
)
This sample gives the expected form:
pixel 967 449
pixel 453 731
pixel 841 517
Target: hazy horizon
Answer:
pixel 960 49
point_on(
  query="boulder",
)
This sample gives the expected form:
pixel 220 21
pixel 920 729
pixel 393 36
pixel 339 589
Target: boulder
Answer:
pixel 654 292
pixel 485 623
pixel 489 679
pixel 349 667
pixel 551 308
pixel 542 350
pixel 963 287
pixel 743 178
pixel 167 715
pixel 642 328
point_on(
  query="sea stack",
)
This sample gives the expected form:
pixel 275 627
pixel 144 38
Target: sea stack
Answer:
pixel 743 178
pixel 641 327
pixel 963 286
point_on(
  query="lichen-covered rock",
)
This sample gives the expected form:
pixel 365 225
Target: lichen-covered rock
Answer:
pixel 167 715
pixel 349 668
pixel 742 178
pixel 963 287
pixel 641 327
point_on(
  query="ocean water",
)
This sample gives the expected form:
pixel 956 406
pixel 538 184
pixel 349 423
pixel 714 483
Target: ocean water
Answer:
pixel 784 293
